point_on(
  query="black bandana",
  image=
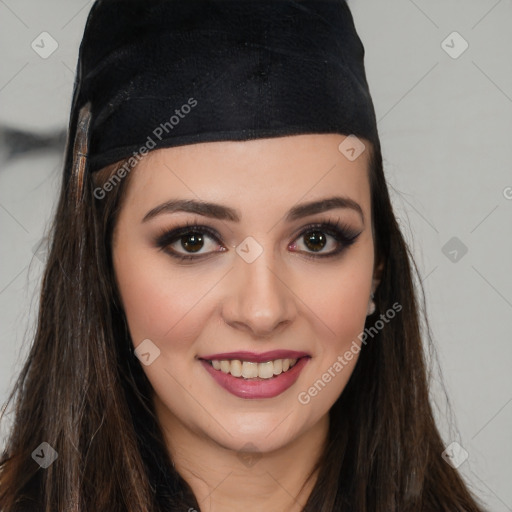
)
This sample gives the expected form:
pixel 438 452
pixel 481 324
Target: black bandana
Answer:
pixel 161 73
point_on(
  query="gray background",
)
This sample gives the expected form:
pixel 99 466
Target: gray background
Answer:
pixel 445 126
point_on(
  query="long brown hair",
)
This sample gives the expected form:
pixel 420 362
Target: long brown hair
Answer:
pixel 82 391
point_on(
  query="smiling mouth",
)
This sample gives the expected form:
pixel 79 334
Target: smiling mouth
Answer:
pixel 250 370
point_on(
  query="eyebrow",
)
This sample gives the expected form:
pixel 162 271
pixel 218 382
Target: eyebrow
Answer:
pixel 221 212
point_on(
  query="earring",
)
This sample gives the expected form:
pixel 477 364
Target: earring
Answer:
pixel 371 306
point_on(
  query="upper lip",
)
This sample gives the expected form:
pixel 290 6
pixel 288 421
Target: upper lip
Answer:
pixel 257 358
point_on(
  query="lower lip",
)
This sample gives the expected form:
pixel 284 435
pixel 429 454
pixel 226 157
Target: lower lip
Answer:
pixel 257 388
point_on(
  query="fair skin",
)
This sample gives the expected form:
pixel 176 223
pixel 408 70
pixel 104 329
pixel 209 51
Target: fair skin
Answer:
pixel 221 303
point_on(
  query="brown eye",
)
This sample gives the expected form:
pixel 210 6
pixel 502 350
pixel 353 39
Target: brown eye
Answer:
pixel 315 241
pixel 325 239
pixel 192 242
pixel 189 242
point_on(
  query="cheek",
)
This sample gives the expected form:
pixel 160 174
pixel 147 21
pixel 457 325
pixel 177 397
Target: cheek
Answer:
pixel 158 305
pixel 339 300
pixel 338 304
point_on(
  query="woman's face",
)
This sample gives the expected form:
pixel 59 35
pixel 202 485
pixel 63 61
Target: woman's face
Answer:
pixel 260 283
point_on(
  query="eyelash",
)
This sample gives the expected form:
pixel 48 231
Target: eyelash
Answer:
pixel 343 234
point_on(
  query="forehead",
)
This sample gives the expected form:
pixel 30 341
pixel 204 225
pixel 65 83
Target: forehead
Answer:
pixel 252 174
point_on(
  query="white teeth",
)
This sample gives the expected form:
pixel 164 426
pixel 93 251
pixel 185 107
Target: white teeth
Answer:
pixel 266 370
pixel 236 368
pixel 251 370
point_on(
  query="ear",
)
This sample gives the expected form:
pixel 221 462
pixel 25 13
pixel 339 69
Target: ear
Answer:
pixel 377 276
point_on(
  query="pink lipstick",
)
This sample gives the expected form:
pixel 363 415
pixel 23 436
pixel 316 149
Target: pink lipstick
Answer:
pixel 254 376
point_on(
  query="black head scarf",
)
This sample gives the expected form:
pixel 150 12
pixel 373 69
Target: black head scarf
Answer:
pixel 162 73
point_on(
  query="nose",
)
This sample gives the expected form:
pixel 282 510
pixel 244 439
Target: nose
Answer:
pixel 258 300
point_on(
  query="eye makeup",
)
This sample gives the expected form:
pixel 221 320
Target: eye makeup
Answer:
pixel 191 234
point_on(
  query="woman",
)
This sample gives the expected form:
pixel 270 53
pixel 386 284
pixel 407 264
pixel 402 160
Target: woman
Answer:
pixel 227 317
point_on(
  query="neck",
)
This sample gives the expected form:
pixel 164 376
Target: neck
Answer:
pixel 224 480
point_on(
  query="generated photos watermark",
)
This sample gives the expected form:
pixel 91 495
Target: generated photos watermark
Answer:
pixel 158 133
pixel 343 360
